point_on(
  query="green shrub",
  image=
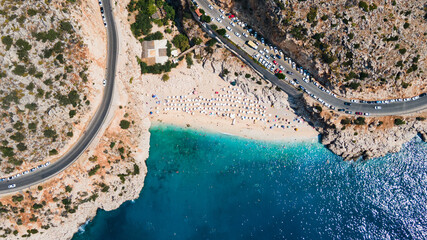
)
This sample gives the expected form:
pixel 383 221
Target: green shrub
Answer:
pixel 68 188
pixel 72 113
pixel 402 51
pixel 37 206
pixel 211 42
pixel 7 40
pixel 154 36
pixel 135 169
pixel 19 70
pixel 53 152
pixel 66 26
pixel 165 77
pixel 206 19
pixel 18 137
pixel 189 60
pixel 398 122
pixel 93 170
pixel 299 32
pixel 280 76
pixel 214 27
pixel 17 198
pixel 21 146
pixel 363 5
pixel 345 121
pixel 31 106
pixel 406 25
pixel 221 31
pixel 32 126
pixel 31 12
pixel 181 41
pixel 50 133
pixel 311 15
pixel 124 124
pixel 360 121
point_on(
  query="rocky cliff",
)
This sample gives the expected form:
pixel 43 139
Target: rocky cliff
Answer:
pixel 366 50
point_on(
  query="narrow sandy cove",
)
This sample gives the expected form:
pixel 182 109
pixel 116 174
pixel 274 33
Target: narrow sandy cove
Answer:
pixel 199 98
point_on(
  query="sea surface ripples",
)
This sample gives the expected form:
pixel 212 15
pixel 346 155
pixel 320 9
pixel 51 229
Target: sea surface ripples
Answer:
pixel 211 186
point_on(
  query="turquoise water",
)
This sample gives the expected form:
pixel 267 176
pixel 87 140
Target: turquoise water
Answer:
pixel 212 186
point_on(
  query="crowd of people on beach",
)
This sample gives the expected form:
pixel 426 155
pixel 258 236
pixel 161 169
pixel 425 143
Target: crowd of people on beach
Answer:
pixel 229 103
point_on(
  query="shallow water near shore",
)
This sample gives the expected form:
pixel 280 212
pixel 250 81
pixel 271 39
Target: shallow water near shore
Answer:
pixel 213 186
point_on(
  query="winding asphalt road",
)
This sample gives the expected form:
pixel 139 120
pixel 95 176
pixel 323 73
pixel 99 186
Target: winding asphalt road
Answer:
pixel 73 154
pixel 243 51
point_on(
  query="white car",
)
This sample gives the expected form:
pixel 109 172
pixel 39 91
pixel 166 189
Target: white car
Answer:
pixel 210 7
pixel 219 19
pixel 245 35
pixel 104 82
pixel 221 11
pixel 221 16
pixel 377 107
pixel 228 28
pixel 227 36
pixel 232 24
pixel 237 34
pixel 11 186
pixel 100 3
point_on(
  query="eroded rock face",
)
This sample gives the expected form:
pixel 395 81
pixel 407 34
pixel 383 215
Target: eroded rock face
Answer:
pixel 370 144
pixel 380 49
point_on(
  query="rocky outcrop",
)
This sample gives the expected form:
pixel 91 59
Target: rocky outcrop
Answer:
pixel 371 144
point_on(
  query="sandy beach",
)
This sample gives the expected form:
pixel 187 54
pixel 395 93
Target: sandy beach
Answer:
pixel 200 99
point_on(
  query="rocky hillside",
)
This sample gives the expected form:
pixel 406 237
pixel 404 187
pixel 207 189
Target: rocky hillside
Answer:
pixel 43 81
pixel 362 49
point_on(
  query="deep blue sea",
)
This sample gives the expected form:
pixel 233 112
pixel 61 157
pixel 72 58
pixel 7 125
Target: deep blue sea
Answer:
pixel 212 186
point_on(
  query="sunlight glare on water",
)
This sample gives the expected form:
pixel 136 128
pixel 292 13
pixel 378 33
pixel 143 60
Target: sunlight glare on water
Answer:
pixel 211 186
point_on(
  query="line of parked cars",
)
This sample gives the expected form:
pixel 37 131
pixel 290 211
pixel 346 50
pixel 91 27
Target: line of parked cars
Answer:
pixel 264 58
pixel 102 12
pixel 25 172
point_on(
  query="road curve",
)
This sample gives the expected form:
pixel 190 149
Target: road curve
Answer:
pixel 243 51
pixel 42 174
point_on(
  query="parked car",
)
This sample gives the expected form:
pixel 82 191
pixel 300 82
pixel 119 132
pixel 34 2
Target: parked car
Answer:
pixel 11 186
pixel 228 28
pixel 377 107
pixel 341 110
pixel 359 113
pixel 347 103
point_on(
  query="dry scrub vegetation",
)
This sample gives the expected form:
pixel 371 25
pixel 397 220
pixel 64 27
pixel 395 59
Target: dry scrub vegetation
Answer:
pixel 43 81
